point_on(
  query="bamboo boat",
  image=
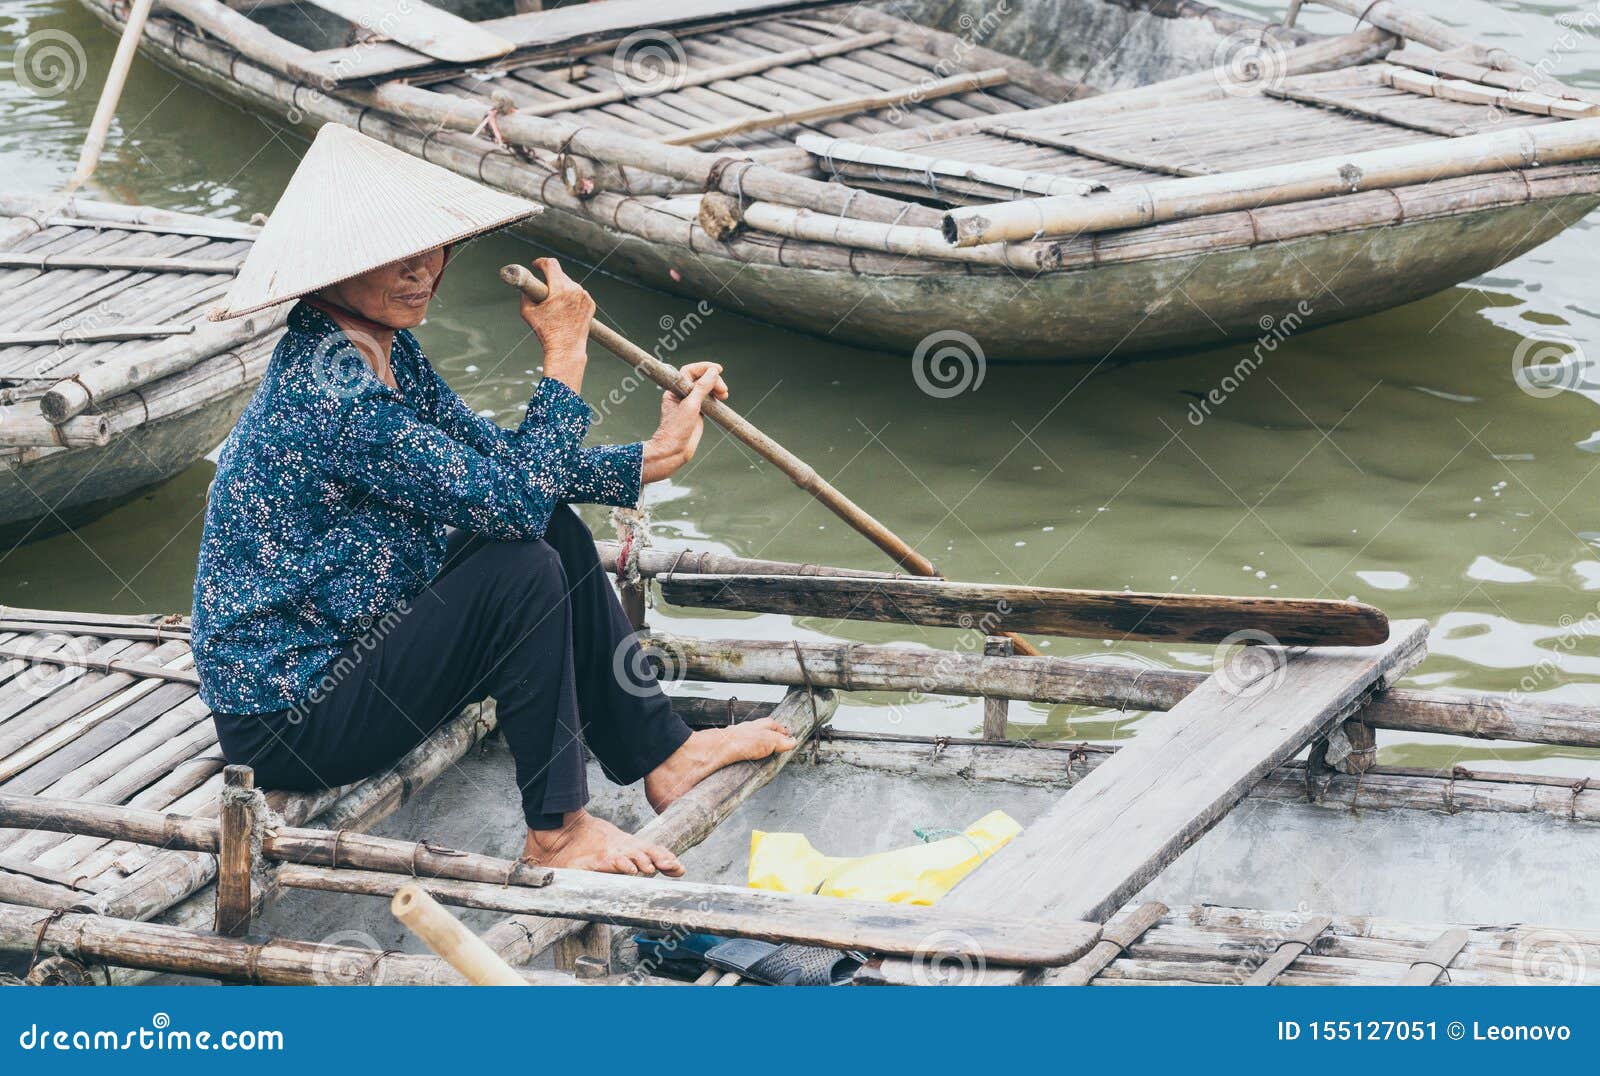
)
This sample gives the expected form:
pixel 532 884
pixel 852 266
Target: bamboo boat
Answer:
pixel 128 849
pixel 1141 175
pixel 111 380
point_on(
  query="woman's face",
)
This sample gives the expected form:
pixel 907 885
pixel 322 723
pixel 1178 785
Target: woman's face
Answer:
pixel 396 294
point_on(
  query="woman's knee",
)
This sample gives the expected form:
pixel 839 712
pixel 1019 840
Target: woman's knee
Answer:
pixel 525 569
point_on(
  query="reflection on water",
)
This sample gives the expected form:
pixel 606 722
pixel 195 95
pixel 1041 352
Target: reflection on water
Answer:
pixel 1395 459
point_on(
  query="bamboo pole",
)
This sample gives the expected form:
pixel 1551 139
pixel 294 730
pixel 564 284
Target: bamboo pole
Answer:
pixel 832 150
pixel 69 397
pixel 800 472
pixel 1085 682
pixel 1322 177
pixel 34 260
pixel 156 947
pixel 106 110
pixel 444 934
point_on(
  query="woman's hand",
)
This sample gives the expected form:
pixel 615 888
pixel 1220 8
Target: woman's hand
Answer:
pixel 562 324
pixel 676 439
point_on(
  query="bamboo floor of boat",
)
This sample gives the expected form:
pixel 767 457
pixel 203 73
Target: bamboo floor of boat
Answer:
pixel 102 709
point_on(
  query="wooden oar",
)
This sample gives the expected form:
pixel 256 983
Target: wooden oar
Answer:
pixel 802 473
pixel 1090 614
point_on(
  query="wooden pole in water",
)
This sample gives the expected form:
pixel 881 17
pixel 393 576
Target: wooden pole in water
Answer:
pixel 802 473
pixel 445 935
pixel 116 78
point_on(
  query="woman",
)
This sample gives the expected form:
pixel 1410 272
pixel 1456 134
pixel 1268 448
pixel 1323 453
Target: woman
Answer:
pixel 337 620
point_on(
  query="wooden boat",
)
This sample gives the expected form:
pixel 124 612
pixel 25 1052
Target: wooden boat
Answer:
pixel 127 849
pixel 111 380
pixel 1178 178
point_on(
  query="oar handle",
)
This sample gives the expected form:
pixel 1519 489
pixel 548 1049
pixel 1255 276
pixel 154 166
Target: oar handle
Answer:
pixel 673 380
pixel 801 473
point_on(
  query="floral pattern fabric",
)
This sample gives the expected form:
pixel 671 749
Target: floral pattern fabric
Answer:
pixel 333 494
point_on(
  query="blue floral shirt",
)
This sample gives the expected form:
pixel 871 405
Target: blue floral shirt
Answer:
pixel 333 493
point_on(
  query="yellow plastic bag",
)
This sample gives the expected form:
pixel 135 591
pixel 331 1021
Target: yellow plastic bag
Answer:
pixel 921 874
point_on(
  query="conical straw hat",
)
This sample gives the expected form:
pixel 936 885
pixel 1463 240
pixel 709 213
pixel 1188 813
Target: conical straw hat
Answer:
pixel 352 205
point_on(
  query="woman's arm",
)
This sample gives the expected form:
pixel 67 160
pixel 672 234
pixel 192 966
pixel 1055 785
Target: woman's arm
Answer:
pixel 601 474
pixel 508 494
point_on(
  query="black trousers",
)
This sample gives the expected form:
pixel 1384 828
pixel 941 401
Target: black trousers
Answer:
pixel 534 624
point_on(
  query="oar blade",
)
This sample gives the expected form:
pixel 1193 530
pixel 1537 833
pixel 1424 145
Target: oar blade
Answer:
pixel 1089 614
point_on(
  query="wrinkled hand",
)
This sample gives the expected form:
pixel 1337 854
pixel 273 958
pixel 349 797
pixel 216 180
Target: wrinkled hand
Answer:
pixel 562 324
pixel 676 439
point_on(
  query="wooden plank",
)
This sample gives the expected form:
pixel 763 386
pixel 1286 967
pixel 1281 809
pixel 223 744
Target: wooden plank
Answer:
pixel 1120 826
pixel 929 932
pixel 1289 950
pixel 995 608
pixel 846 106
pixel 564 27
pixel 423 28
pixel 1435 960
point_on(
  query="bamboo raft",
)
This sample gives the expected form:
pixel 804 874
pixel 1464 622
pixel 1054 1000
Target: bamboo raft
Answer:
pixel 127 848
pixel 111 380
pixel 841 170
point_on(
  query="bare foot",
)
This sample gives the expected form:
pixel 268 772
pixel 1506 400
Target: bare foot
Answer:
pixel 587 843
pixel 707 751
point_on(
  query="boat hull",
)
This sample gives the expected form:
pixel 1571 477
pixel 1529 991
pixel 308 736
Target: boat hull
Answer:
pixel 59 490
pixel 1106 313
pixel 1112 312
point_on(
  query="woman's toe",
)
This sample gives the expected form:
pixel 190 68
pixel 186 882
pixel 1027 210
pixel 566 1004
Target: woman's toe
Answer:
pixel 665 861
pixel 622 863
pixel 641 859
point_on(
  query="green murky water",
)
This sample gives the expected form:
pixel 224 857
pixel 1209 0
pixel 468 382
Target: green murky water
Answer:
pixel 1394 459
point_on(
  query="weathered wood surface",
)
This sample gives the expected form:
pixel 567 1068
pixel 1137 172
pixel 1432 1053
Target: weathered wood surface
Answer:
pixel 997 608
pixel 1116 829
pixel 423 28
pixel 236 858
pixel 1434 962
pixel 929 932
